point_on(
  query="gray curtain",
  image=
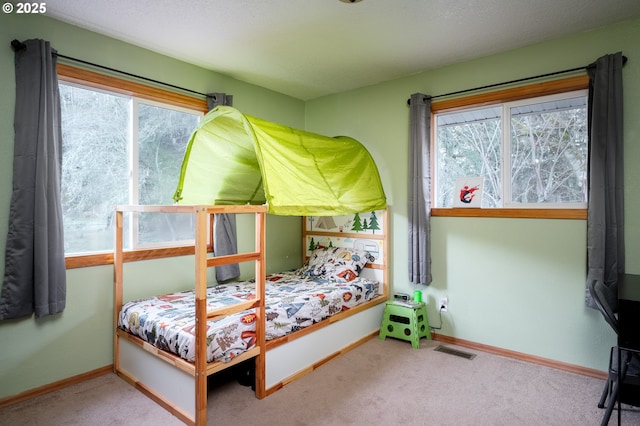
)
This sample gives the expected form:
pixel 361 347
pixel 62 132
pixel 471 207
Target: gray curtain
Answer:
pixel 225 237
pixel 419 208
pixel 605 221
pixel 35 275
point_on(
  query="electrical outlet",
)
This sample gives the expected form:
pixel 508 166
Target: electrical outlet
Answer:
pixel 444 304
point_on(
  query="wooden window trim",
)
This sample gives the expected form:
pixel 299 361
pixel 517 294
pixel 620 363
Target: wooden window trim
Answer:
pixel 540 213
pixel 106 258
pixel 99 81
pixel 569 84
pixel 96 80
pixel 544 88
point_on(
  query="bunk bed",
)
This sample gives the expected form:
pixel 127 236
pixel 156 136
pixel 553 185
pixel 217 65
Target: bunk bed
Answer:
pixel 339 218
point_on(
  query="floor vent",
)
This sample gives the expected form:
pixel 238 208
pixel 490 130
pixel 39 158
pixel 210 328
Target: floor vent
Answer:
pixel 455 352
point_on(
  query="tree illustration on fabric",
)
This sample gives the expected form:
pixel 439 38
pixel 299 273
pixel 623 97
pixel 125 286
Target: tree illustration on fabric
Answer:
pixel 312 245
pixel 373 223
pixel 357 223
pixel 365 225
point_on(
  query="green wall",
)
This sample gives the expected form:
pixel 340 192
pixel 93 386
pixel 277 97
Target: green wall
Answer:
pixel 33 352
pixel 512 283
pixel 517 284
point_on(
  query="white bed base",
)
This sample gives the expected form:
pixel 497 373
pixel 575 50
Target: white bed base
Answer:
pixel 171 382
pixel 175 391
pixel 301 356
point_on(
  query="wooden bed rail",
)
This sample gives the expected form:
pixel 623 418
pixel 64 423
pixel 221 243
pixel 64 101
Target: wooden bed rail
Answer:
pixel 178 208
pixel 232 258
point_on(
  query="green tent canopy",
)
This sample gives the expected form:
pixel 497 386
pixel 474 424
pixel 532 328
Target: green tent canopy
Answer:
pixel 235 159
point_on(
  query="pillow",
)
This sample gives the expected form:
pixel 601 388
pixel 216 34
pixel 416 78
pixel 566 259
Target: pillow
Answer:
pixel 336 263
pixel 313 266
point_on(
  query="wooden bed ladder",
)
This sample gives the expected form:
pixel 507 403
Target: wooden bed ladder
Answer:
pixel 201 301
pixel 202 262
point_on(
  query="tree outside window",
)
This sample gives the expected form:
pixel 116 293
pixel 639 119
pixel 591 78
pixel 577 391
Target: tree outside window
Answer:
pixel 531 153
pixel 111 141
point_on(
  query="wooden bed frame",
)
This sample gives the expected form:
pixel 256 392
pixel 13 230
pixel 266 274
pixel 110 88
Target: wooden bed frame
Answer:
pixel 181 386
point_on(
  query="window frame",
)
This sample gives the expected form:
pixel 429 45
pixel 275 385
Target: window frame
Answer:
pixel 98 81
pixel 544 88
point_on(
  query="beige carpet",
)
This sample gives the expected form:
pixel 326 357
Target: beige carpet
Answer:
pixel 378 383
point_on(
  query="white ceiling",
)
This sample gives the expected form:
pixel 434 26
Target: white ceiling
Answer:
pixel 311 48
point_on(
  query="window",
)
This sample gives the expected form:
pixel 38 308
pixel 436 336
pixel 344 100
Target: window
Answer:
pixel 120 149
pixel 531 152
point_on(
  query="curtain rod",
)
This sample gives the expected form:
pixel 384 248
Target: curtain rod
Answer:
pixel 624 61
pixel 17 45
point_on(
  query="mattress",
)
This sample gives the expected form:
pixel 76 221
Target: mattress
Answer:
pixel 292 303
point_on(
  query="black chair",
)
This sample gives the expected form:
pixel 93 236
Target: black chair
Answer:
pixel 606 300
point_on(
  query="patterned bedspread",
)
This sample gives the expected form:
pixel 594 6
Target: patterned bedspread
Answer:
pixel 292 303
